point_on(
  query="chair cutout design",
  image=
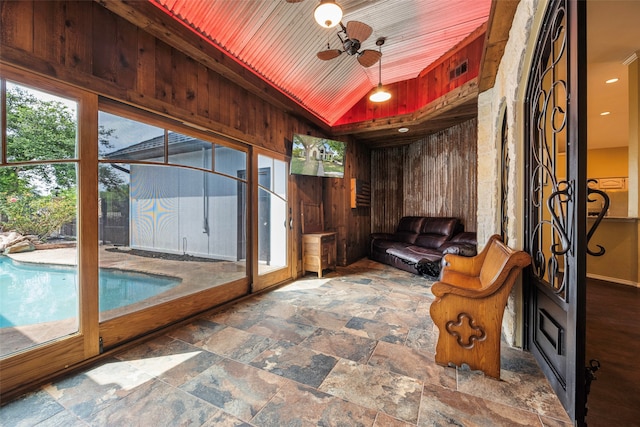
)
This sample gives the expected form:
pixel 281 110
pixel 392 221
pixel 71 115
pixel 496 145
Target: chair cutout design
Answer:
pixel 471 296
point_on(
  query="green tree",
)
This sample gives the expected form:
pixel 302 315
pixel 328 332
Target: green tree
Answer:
pixel 40 215
pixel 337 147
pixel 39 129
pixel 38 198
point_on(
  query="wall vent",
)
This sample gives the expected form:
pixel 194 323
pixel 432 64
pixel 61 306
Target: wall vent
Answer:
pixel 459 70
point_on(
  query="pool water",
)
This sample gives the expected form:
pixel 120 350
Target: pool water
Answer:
pixel 36 293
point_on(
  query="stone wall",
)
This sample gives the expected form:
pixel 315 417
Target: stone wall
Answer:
pixel 506 97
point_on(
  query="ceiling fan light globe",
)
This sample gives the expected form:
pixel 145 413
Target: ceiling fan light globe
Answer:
pixel 327 14
pixel 380 95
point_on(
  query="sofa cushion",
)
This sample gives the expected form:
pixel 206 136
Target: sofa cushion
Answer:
pixel 436 231
pixel 414 253
pixel 440 226
pixel 411 223
pixel 430 241
pixel 383 245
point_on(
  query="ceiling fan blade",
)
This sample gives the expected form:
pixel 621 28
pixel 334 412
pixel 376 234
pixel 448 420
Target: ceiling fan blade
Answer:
pixel 358 30
pixel 326 55
pixel 294 1
pixel 368 57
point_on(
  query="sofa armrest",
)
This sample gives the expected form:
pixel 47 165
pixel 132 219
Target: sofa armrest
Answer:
pixel 458 248
pixel 469 237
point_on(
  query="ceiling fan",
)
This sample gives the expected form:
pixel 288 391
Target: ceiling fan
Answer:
pixel 352 36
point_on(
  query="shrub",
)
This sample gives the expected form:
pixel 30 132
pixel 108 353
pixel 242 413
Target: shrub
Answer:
pixel 28 213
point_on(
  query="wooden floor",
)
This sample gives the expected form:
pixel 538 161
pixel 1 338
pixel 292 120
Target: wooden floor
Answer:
pixel 613 338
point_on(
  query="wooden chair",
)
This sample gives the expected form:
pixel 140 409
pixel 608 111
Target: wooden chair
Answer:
pixel 471 296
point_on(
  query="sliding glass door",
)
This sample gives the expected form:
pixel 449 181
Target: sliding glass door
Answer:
pixel 272 221
pixel 47 315
pixel 116 222
pixel 171 217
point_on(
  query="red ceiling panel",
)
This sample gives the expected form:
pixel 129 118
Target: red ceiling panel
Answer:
pixel 279 40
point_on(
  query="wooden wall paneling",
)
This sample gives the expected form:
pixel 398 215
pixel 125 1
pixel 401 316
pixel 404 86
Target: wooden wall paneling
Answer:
pixel 307 189
pixel 224 99
pixel 408 95
pixel 475 58
pixel 448 188
pixel 183 80
pixel 358 220
pixel 78 49
pixel 274 140
pixel 214 95
pixel 419 177
pixel 46 31
pixel 423 88
pixel 432 83
pixel 127 54
pixel 163 67
pixel 334 216
pixel 235 115
pixel 146 66
pixel 252 117
pixel 202 91
pixel 386 188
pixel 429 177
pixel 104 38
pixel 17 24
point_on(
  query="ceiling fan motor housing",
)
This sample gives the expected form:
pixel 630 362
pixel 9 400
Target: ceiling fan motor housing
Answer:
pixel 351 46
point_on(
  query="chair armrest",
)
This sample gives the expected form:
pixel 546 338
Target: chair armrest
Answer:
pixel 466 286
pixel 469 266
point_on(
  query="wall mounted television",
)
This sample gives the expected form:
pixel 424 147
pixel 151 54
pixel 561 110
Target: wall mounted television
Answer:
pixel 315 156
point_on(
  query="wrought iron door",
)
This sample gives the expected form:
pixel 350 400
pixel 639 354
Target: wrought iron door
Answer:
pixel 555 209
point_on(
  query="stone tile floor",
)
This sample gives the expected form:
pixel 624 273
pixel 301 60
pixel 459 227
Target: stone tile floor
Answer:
pixel 354 348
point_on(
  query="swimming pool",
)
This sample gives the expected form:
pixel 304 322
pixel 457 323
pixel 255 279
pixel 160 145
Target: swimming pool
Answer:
pixel 37 293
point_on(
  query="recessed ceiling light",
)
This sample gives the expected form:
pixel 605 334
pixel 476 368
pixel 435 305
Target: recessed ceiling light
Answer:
pixel 403 130
pixel 605 113
pixel 613 80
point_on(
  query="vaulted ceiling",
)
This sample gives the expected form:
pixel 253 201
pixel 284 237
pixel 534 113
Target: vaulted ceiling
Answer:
pixel 270 46
pixel 278 40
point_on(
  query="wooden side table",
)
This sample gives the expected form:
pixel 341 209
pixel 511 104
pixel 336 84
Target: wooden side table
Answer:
pixel 319 252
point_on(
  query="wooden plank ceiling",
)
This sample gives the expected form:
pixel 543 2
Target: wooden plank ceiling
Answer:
pixel 279 40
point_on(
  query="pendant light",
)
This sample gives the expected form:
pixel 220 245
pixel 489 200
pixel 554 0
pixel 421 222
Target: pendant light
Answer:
pixel 328 14
pixel 380 95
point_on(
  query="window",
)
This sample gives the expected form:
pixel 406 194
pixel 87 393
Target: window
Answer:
pixel 38 206
pixel 171 208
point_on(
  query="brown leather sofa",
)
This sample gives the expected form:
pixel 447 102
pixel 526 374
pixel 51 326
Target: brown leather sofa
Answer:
pixel 420 239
